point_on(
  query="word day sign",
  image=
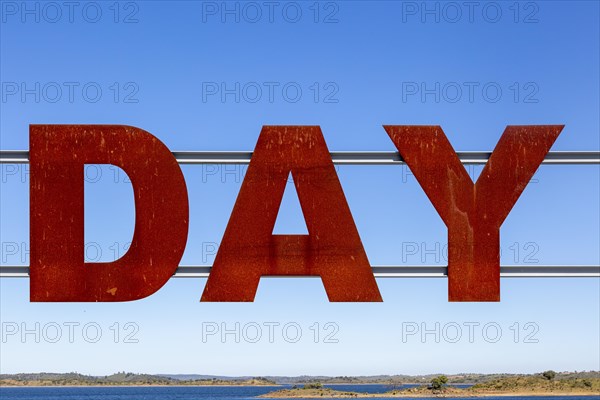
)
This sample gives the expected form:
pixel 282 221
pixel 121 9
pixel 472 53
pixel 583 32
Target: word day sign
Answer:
pixel 332 250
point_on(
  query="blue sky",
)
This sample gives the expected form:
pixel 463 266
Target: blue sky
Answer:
pixel 349 67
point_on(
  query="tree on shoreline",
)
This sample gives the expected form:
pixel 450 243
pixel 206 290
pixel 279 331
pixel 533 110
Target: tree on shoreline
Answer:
pixel 550 375
pixel 439 382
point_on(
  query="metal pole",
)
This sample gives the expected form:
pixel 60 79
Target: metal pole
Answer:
pixel 361 158
pixel 390 271
pixel 338 157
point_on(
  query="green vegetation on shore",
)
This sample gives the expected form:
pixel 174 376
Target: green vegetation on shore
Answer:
pixel 539 383
pixel 453 379
pixel 122 379
pixel 545 384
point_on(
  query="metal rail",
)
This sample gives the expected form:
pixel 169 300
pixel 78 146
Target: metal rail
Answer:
pixel 338 157
pixel 361 158
pixel 397 271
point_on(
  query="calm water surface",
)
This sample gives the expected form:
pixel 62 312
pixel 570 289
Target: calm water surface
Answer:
pixel 192 393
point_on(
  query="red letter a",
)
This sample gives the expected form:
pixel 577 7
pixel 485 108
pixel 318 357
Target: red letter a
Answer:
pixel 331 250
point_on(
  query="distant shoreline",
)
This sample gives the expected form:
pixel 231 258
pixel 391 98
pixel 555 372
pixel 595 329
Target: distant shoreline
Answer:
pixel 543 384
pixel 123 379
pixel 548 383
pixel 133 385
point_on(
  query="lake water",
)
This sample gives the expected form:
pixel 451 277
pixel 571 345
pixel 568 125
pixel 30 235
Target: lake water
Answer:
pixel 190 393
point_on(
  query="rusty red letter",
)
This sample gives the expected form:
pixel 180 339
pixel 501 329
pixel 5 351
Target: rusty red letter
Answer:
pixel 332 249
pixel 58 154
pixel 473 213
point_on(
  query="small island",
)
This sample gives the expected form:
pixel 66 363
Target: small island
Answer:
pixel 544 384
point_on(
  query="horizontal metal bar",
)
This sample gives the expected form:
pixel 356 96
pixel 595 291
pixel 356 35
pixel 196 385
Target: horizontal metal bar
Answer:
pixel 389 271
pixel 338 157
pixel 14 157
